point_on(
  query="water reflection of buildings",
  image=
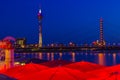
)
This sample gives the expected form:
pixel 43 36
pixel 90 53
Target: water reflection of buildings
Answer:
pixel 49 56
pixel 101 59
pixel 40 55
pixel 60 55
pixel 73 57
pixel 52 56
pixel 107 58
pixel 114 58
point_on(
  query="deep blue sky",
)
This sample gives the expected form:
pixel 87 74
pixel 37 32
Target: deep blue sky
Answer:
pixel 63 20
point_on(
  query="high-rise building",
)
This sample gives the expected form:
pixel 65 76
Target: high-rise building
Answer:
pixel 40 27
pixel 101 40
pixel 20 42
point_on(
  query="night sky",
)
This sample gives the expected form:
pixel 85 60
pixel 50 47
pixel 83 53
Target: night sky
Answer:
pixel 63 20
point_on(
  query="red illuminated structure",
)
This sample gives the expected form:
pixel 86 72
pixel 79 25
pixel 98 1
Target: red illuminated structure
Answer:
pixel 6 45
pixel 40 27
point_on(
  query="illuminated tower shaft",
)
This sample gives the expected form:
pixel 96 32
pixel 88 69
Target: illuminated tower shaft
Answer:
pixel 9 55
pixel 9 58
pixel 40 27
pixel 101 33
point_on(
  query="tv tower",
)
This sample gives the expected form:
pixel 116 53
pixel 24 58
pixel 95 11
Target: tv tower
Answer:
pixel 40 27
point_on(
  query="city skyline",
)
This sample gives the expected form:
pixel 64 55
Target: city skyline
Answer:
pixel 63 21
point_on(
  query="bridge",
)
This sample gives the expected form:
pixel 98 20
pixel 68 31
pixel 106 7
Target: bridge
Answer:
pixel 65 49
pixel 8 43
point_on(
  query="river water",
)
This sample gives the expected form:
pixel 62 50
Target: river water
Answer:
pixel 102 58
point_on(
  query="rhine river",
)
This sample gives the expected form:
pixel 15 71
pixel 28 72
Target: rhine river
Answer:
pixel 102 58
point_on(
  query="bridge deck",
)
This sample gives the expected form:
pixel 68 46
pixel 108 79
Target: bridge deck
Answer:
pixel 64 49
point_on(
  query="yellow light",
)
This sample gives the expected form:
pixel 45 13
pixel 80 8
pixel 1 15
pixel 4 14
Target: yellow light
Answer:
pixel 73 57
pixel 16 63
pixel 101 58
pixel 22 64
